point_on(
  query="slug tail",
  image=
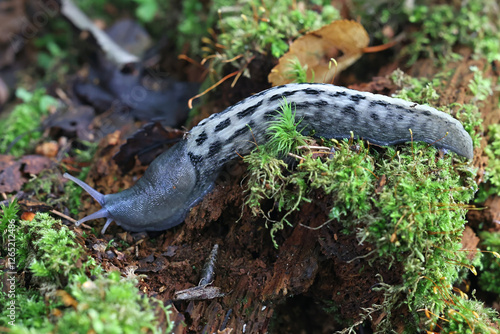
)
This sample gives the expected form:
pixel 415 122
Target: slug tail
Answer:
pixel 92 192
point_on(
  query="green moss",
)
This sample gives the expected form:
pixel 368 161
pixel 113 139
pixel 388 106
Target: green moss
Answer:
pixel 109 304
pixel 21 127
pixel 255 27
pixel 467 316
pixel 50 252
pixel 443 26
pixel 489 277
pixel 297 72
pixel 31 314
pixel 492 174
pixel 416 218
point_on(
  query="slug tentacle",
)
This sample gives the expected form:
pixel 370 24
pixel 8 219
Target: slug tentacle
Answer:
pixel 92 192
pixel 180 177
pixel 103 213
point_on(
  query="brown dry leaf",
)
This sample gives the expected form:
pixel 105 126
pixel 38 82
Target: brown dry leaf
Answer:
pixel 470 242
pixel 13 170
pixel 342 40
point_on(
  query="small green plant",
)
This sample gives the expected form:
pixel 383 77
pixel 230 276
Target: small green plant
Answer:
pixel 443 26
pixel 297 72
pixel 259 28
pixel 146 9
pixel 21 127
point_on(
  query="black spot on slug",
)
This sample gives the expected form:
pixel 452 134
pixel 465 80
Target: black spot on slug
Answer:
pixel 338 94
pixel 238 133
pixel 349 110
pixel 374 116
pixel 281 95
pixel 379 103
pixel 214 148
pixel 249 111
pixel 310 91
pixel 201 138
pixel 320 103
pixel 400 117
pixel 427 113
pixel 222 125
pixel 302 105
pixel 195 159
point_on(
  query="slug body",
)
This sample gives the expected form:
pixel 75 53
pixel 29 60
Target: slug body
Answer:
pixel 180 177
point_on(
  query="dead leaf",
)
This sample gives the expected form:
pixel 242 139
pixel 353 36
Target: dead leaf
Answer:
pixel 470 242
pixel 34 164
pixel 342 40
pixel 12 170
pixel 146 144
pixel 10 175
pixel 380 184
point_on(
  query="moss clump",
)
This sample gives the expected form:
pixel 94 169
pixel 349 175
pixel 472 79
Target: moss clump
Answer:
pixel 443 26
pixel 492 174
pixel 109 304
pixel 416 216
pixel 259 27
pixel 49 251
pixel 20 128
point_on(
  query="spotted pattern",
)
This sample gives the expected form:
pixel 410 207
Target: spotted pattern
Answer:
pixel 222 125
pixel 327 111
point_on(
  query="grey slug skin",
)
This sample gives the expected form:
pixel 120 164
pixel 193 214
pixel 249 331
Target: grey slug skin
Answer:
pixel 179 178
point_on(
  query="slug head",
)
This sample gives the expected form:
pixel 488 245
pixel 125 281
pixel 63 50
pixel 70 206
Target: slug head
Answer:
pixel 103 213
pixel 160 199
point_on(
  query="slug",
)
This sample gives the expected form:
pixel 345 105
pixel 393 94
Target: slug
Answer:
pixel 180 177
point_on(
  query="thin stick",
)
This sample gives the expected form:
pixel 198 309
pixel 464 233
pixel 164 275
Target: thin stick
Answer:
pixel 190 102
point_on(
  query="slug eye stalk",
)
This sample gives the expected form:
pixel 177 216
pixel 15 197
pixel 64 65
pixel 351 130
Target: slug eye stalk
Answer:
pixel 103 213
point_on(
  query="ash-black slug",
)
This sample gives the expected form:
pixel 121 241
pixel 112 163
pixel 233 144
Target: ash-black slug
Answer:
pixel 180 177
